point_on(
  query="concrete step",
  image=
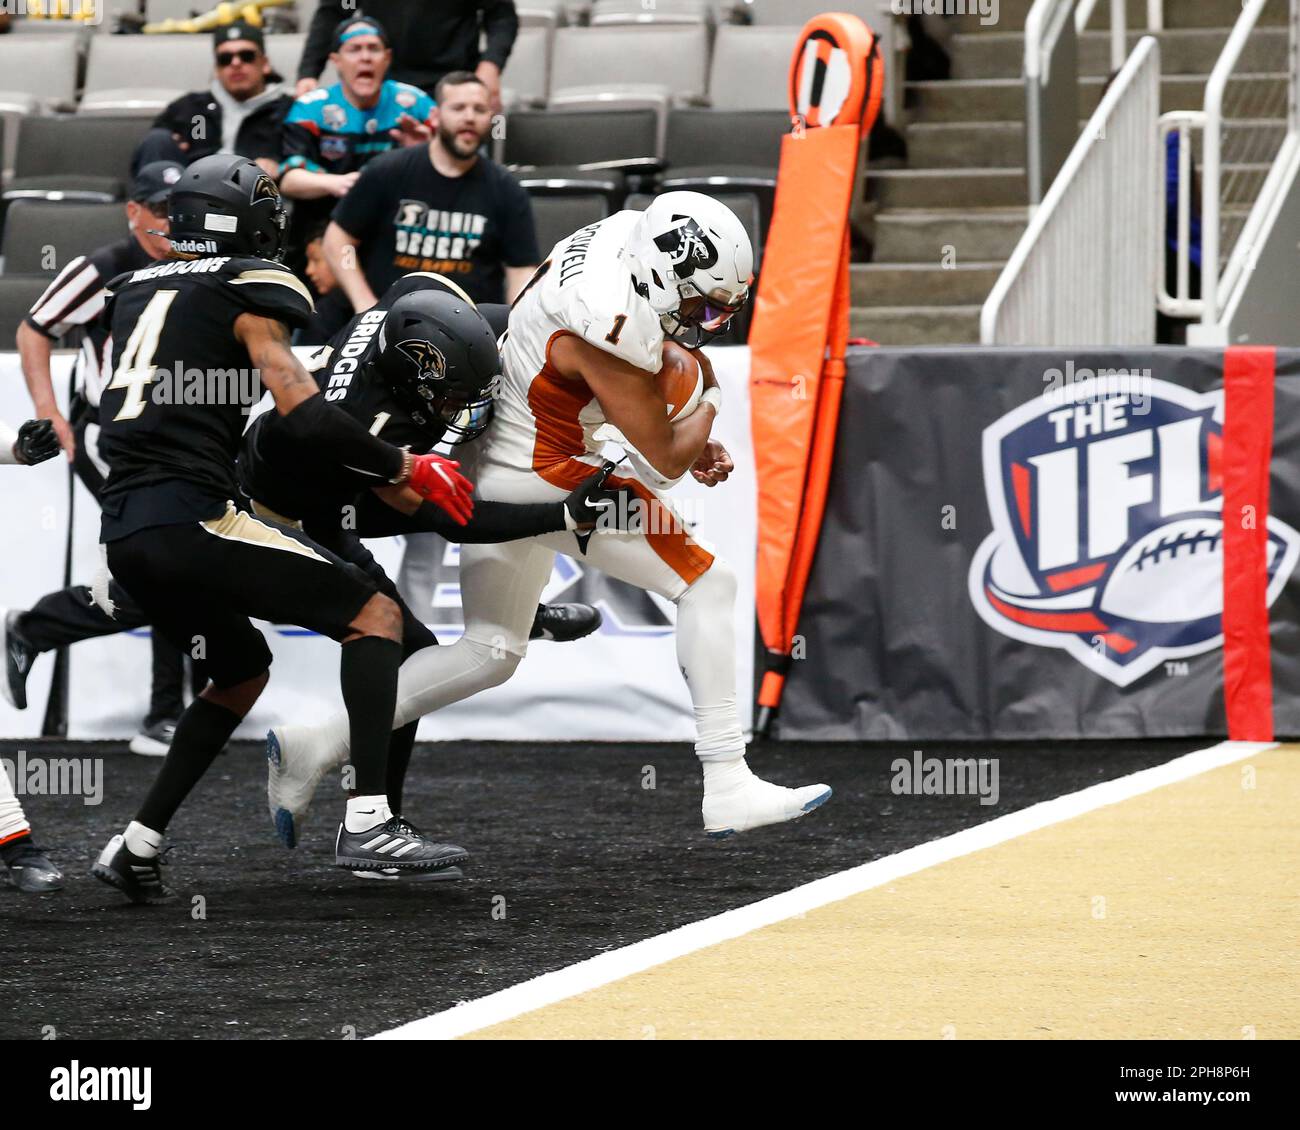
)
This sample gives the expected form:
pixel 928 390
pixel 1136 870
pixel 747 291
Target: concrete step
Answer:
pixel 1003 100
pixel 1183 51
pixel 941 145
pixel 949 188
pixel 974 236
pixel 917 325
pixel 963 284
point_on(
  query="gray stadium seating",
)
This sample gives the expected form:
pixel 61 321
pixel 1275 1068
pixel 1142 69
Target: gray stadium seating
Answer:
pixel 54 154
pixel 558 216
pixel 799 12
pixel 33 227
pixel 18 294
pixel 140 74
pixel 38 72
pixel 630 59
pixel 551 137
pixel 526 81
pixel 541 13
pixel 612 13
pixel 751 68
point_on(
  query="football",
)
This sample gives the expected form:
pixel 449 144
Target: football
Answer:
pixel 680 381
pixel 1173 574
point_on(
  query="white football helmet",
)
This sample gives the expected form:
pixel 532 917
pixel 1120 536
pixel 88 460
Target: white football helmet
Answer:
pixel 693 262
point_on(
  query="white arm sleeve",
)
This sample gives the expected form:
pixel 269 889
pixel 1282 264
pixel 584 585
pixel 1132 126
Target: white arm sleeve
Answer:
pixel 8 437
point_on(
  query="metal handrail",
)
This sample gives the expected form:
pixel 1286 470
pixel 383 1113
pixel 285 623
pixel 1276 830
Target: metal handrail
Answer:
pixel 1028 255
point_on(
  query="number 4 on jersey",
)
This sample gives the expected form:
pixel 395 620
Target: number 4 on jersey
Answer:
pixel 136 369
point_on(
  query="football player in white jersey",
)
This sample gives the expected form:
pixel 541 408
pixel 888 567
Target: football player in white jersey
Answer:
pixel 584 343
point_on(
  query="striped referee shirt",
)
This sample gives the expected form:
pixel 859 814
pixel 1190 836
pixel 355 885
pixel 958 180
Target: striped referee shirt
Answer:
pixel 74 302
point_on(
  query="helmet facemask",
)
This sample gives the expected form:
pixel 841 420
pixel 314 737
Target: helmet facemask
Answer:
pixel 436 400
pixel 701 318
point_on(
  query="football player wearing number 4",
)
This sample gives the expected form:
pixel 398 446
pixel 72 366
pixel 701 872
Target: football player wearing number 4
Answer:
pixel 585 342
pixel 223 305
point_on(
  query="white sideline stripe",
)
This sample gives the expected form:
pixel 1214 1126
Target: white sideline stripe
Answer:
pixel 617 964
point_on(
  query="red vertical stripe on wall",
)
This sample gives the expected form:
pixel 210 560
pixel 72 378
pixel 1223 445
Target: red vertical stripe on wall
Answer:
pixel 1248 375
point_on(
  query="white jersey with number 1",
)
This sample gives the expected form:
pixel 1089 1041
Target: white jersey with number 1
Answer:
pixel 544 422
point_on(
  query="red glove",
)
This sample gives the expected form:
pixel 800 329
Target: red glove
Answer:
pixel 437 480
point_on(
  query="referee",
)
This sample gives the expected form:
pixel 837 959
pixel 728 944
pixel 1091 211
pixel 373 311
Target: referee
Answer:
pixel 72 307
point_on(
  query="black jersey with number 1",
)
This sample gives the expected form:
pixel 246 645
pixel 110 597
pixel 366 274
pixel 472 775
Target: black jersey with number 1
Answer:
pixel 173 412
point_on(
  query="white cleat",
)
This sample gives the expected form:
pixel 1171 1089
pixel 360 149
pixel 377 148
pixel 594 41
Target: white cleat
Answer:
pixel 295 767
pixel 753 803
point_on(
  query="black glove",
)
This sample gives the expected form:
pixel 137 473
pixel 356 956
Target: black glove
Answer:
pixel 36 442
pixel 593 503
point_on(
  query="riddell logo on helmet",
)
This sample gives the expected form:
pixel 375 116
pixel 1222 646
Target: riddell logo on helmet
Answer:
pixel 197 246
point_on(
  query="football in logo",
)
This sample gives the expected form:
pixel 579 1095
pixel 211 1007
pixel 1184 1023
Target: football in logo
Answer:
pixel 1107 539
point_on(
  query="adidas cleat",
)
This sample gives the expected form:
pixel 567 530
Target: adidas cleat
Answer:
pixel 396 845
pixel 139 879
pixel 756 803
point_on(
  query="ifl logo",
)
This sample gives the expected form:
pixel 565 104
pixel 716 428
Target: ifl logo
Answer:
pixel 1107 526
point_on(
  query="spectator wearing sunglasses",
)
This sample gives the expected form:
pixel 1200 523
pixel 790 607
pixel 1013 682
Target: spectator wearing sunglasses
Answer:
pixel 242 112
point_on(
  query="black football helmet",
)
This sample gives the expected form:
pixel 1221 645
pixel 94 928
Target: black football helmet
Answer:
pixel 225 205
pixel 439 358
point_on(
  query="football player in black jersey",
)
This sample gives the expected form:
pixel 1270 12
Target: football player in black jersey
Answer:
pixel 196 337
pixel 418 369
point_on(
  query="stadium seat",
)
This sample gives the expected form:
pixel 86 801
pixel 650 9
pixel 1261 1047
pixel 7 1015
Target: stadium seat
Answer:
pixel 540 13
pixel 724 151
pixel 34 227
pixel 38 73
pixel 140 74
pixel 559 216
pixel 18 294
pixel 53 154
pixel 526 81
pixel 631 59
pixel 751 68
pixel 799 12
pixel 626 138
pixel 285 53
pixel 611 13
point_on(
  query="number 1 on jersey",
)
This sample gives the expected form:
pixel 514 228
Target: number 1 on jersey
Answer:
pixel 617 332
pixel 136 368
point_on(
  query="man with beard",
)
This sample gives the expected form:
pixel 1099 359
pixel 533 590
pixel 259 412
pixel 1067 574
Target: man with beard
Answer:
pixel 442 208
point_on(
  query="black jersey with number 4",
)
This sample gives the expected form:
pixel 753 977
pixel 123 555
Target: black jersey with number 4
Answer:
pixel 173 411
pixel 297 482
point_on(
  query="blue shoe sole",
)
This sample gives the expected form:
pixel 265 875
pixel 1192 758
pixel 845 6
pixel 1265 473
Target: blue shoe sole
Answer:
pixel 284 827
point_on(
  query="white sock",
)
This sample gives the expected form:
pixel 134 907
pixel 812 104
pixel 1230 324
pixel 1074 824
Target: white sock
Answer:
pixel 366 812
pixel 723 776
pixel 12 821
pixel 706 653
pixel 141 841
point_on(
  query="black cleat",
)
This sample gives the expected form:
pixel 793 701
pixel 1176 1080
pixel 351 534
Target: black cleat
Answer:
pixel 396 845
pixel 19 656
pixel 564 623
pixel 29 869
pixel 139 879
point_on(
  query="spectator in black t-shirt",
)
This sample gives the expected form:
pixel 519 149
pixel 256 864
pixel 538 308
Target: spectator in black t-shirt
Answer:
pixel 430 40
pixel 441 208
pixel 241 112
